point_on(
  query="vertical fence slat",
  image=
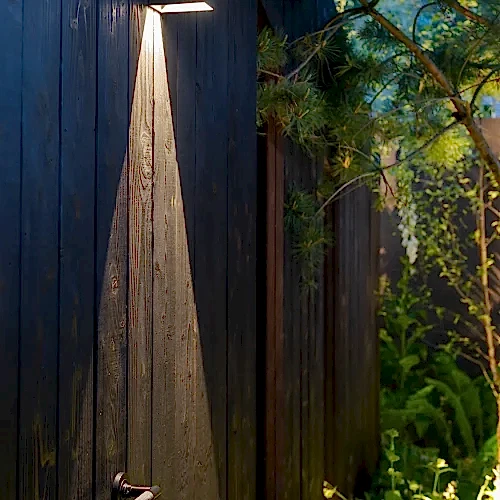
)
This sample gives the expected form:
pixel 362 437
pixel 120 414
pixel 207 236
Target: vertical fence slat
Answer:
pixel 186 333
pixel 210 251
pixel 11 25
pixel 140 229
pixel 76 373
pixel 164 234
pixel 242 189
pixel 10 226
pixel 112 243
pixel 272 475
pixel 40 252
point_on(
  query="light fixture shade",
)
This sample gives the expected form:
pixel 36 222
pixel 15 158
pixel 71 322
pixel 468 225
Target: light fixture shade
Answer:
pixel 180 7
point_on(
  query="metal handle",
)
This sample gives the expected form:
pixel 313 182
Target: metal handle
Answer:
pixel 123 489
pixel 150 495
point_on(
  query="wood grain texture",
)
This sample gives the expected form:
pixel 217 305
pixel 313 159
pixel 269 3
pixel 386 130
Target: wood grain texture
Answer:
pixel 77 281
pixel 210 239
pixel 111 245
pixel 352 394
pixel 127 247
pixel 40 250
pixel 210 252
pixel 164 256
pixel 186 327
pixel 10 225
pixel 275 355
pixel 272 267
pixel 242 201
pixel 140 194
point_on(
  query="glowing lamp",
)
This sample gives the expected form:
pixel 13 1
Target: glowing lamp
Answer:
pixel 180 7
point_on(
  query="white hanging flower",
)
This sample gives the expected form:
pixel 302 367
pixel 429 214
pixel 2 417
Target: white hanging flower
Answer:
pixel 407 227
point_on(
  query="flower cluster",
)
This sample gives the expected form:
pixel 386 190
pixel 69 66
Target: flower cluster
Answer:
pixel 407 227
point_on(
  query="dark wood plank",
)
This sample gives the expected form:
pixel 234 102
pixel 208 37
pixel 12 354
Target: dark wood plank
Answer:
pixel 281 361
pixel 10 227
pixel 272 476
pixel 275 360
pixel 111 245
pixel 187 342
pixel 274 12
pixel 76 373
pixel 288 330
pixel 329 332
pixel 40 250
pixel 164 234
pixel 210 252
pixel 242 199
pixel 140 211
pixel 318 376
pixel 292 485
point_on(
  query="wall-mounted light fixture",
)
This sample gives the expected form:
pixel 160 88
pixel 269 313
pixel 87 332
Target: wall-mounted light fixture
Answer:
pixel 180 7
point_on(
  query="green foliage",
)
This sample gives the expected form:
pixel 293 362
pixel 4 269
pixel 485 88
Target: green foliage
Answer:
pixel 297 107
pixel 272 51
pixel 353 91
pixel 409 474
pixel 373 96
pixel 424 394
pixel 308 233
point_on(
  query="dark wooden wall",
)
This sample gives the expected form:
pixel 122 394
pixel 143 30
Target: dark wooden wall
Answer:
pixel 304 346
pixel 127 249
pixel 323 375
pixel 351 347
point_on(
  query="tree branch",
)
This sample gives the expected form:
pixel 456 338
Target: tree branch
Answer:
pixel 469 14
pixel 463 108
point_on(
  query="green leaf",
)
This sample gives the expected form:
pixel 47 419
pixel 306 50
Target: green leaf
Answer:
pixel 408 362
pixel 421 426
pixel 392 495
pixel 461 418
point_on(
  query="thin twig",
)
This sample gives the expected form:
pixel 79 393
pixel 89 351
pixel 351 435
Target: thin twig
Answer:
pixel 483 82
pixel 341 188
pixel 433 139
pixel 415 21
pixel 270 73
pixel 424 104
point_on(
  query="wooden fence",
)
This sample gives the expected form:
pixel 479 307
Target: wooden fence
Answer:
pixel 127 254
pixel 322 346
pixel 133 328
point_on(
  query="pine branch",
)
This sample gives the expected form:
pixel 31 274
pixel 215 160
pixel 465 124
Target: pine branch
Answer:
pixel 458 7
pixel 315 51
pixel 463 108
pixel 330 28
